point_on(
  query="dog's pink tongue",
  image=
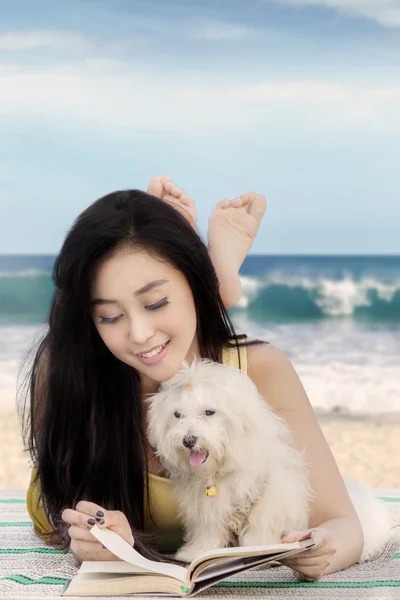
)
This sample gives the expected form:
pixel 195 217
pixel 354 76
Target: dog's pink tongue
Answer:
pixel 197 458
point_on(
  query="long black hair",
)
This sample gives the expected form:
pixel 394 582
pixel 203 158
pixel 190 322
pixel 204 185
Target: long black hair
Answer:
pixel 83 424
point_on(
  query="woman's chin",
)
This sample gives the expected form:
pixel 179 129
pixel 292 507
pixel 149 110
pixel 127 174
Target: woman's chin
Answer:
pixel 159 373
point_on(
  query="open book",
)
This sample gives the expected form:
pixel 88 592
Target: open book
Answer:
pixel 134 574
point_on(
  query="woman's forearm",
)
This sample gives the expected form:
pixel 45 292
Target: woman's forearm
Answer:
pixel 348 539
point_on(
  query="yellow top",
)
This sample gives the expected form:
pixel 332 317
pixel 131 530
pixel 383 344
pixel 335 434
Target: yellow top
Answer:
pixel 164 511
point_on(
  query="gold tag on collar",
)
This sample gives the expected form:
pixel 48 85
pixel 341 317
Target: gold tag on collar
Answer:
pixel 212 491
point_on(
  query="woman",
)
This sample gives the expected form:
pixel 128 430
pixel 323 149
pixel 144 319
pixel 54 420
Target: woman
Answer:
pixel 136 294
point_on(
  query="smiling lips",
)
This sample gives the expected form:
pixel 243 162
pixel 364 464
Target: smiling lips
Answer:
pixel 152 352
pixel 154 356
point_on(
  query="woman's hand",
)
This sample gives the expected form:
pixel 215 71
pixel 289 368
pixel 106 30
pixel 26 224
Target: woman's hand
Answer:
pixel 84 546
pixel 311 564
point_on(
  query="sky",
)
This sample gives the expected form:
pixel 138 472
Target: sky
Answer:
pixel 295 99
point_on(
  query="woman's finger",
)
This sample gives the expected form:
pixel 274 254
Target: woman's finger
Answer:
pixel 314 553
pixel 117 521
pixel 81 533
pixel 112 519
pixel 86 550
pixel 73 517
pixel 90 508
pixel 90 551
pixel 295 536
pixel 88 514
pixel 320 537
pixel 85 515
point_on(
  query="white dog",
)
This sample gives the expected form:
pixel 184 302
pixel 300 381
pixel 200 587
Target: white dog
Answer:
pixel 238 480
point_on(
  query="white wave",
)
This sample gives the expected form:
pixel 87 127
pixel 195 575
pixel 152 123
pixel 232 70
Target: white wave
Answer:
pixel 344 368
pixel 352 389
pixel 334 297
pixel 340 298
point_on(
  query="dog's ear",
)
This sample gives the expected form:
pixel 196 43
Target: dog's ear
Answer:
pixel 245 402
pixel 239 411
pixel 156 425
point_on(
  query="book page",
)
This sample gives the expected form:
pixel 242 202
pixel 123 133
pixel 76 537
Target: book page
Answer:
pixel 124 551
pixel 227 567
pixel 235 567
pixel 112 567
pixel 119 584
pixel 241 551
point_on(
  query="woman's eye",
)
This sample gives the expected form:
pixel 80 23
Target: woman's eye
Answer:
pixel 159 304
pixel 109 320
pixel 177 414
pixel 210 412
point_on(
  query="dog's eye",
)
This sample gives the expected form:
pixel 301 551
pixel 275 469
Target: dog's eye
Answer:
pixel 177 414
pixel 210 412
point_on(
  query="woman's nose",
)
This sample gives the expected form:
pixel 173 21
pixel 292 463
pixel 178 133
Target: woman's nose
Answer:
pixel 140 330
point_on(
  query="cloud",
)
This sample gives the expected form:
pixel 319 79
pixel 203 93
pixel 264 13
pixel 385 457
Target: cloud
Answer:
pixel 220 31
pixel 113 96
pixel 385 12
pixel 44 40
pixel 145 32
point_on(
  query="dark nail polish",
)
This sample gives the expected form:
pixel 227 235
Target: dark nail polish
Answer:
pixel 104 548
pixel 100 513
pixel 100 521
pixel 284 534
pixel 91 521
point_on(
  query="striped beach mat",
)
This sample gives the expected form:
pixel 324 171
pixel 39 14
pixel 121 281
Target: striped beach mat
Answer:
pixel 29 569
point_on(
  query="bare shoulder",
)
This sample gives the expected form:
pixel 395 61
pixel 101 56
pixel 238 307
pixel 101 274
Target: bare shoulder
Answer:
pixel 261 356
pixel 266 366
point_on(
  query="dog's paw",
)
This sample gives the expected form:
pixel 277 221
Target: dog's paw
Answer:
pixel 186 554
pixel 192 550
pixel 256 536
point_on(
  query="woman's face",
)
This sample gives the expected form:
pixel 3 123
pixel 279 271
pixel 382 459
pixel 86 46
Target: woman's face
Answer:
pixel 139 305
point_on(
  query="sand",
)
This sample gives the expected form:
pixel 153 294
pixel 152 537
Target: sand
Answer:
pixel 364 448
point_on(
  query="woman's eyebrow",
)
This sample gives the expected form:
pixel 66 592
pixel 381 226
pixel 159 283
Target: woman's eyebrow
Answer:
pixel 150 286
pixel 146 288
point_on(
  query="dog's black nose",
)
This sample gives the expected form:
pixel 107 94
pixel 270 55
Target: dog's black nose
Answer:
pixel 189 441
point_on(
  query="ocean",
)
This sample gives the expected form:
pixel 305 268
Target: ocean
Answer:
pixel 336 317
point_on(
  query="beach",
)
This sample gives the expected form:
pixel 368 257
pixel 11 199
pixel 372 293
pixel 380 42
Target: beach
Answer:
pixel 365 448
pixel 337 318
